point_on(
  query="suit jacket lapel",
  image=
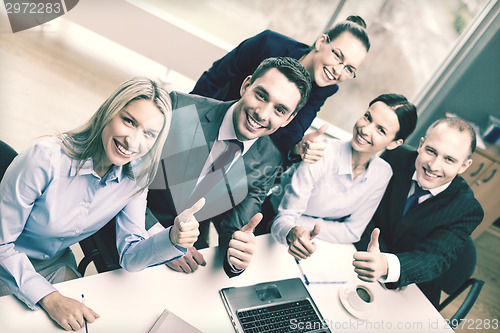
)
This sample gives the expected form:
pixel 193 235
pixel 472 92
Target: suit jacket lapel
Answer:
pixel 185 155
pixel 403 186
pixel 236 179
pixel 210 121
pixel 420 214
pixel 240 173
pixel 233 187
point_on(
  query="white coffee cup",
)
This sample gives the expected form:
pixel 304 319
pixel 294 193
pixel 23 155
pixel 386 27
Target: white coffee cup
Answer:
pixel 360 297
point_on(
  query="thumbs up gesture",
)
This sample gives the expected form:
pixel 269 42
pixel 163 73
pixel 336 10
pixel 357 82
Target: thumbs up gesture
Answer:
pixel 310 149
pixel 373 245
pixel 242 244
pixel 372 264
pixel 300 241
pixel 184 232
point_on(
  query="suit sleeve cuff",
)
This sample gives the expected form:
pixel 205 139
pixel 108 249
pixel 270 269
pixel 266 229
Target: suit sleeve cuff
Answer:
pixel 291 157
pixel 393 268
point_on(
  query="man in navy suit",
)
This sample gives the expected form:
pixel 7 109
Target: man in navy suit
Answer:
pixel 427 213
pixel 202 131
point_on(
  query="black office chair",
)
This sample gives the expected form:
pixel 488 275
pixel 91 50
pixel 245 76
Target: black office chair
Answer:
pixel 7 154
pixel 100 248
pixel 457 279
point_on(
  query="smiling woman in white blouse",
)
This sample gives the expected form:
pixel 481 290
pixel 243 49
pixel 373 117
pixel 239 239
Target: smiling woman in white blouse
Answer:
pixel 65 188
pixel 335 198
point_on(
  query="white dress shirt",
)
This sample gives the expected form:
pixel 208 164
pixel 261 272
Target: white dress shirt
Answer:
pixel 326 192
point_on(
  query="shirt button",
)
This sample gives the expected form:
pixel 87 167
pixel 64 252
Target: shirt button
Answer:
pixel 87 205
pixel 78 232
pixel 46 256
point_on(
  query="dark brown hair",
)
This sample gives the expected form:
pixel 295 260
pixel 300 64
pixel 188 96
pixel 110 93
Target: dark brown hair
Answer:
pixel 354 25
pixel 405 111
pixel 292 70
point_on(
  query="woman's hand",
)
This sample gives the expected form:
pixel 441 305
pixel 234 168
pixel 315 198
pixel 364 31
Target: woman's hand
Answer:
pixel 70 314
pixel 300 241
pixel 185 231
pixel 310 149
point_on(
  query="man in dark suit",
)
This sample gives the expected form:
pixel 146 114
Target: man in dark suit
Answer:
pixel 426 214
pixel 222 81
pixel 203 130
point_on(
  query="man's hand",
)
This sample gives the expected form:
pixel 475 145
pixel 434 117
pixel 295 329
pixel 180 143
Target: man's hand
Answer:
pixel 309 149
pixel 371 265
pixel 189 263
pixel 184 232
pixel 242 244
pixel 299 239
pixel 70 314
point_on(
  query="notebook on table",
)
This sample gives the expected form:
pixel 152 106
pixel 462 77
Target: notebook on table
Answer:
pixel 169 322
pixel 276 306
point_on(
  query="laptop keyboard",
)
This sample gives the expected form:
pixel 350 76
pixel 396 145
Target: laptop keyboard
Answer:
pixel 298 316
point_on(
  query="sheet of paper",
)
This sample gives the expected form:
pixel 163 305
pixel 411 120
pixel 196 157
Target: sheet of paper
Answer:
pixel 337 268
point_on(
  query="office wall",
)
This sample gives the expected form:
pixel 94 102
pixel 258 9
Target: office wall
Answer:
pixel 472 91
pixel 477 94
pixel 154 37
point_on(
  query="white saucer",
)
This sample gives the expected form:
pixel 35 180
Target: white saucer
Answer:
pixel 366 314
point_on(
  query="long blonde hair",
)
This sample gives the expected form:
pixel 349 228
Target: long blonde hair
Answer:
pixel 85 142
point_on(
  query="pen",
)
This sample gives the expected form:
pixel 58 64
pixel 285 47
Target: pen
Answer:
pixel 306 281
pixel 85 320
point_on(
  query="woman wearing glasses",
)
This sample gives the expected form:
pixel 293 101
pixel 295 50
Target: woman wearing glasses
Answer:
pixel 334 57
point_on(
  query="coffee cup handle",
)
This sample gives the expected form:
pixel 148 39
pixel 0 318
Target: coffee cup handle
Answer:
pixel 347 290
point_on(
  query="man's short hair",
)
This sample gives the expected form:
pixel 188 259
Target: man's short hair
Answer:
pixel 460 125
pixel 292 70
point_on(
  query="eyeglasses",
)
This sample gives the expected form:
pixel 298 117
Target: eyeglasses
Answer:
pixel 347 70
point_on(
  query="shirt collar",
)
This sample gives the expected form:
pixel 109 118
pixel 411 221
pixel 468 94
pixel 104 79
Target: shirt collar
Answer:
pixel 227 132
pixel 345 160
pixel 87 168
pixel 345 163
pixel 434 191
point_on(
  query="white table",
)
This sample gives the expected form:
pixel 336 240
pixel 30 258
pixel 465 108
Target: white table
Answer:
pixel 130 302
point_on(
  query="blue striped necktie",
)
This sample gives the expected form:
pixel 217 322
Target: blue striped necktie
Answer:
pixel 412 200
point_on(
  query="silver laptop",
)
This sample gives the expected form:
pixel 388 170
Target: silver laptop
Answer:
pixel 276 306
